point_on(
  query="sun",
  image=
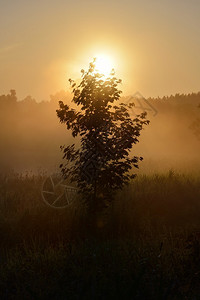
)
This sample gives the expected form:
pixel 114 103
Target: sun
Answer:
pixel 103 64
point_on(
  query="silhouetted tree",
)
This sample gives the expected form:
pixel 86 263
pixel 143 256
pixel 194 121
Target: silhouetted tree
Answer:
pixel 102 163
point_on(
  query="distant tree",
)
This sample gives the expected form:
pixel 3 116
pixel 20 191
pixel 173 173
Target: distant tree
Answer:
pixel 13 95
pixel 62 95
pixel 10 98
pixel 29 101
pixel 102 163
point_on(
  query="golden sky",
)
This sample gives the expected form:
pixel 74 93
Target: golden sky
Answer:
pixel 154 45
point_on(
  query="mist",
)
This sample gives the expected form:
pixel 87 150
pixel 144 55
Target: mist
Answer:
pixel 31 134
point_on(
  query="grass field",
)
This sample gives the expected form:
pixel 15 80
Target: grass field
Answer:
pixel 146 246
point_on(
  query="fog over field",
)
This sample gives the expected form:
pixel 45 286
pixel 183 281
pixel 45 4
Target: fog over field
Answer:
pixel 31 134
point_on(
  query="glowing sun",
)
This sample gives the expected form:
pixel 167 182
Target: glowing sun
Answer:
pixel 104 64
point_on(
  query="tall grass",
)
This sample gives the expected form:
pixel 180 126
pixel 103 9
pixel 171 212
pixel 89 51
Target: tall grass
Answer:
pixel 145 246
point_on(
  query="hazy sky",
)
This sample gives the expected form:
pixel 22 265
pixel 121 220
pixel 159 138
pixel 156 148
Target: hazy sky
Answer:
pixel 155 44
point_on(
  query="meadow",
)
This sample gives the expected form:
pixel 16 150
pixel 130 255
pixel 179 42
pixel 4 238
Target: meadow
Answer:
pixel 145 246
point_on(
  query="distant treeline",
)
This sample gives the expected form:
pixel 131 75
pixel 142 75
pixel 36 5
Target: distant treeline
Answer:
pixel 30 132
pixel 185 98
pixel 11 98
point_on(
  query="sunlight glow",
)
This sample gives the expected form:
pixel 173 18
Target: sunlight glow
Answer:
pixel 104 64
